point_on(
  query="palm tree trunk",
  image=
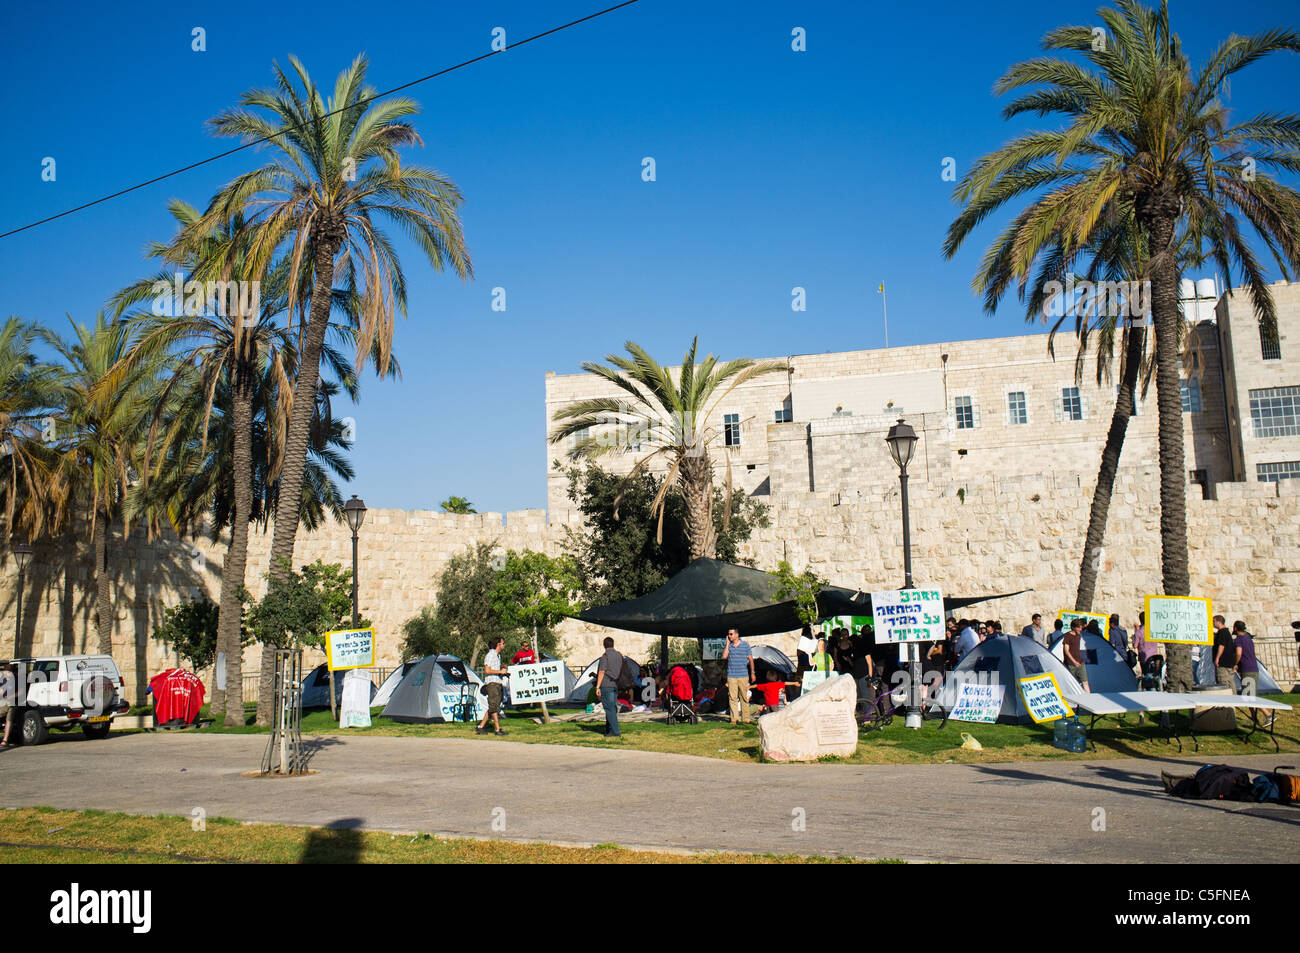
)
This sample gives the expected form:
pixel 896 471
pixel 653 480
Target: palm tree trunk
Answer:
pixel 289 498
pixel 1175 577
pixel 231 613
pixel 103 587
pixel 696 480
pixel 1135 344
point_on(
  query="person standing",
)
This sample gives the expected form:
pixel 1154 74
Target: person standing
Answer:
pixel 1118 637
pixel 806 647
pixel 1035 630
pixel 740 675
pixel 494 684
pixel 821 659
pixel 1072 652
pixel 1247 663
pixel 966 641
pixel 1225 654
pixel 525 655
pixel 8 703
pixel 611 664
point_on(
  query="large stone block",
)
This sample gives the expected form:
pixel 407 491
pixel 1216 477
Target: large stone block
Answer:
pixel 816 724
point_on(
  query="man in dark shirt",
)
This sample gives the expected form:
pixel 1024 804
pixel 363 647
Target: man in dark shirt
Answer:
pixel 1225 654
pixel 611 663
pixel 1247 665
pixel 1072 652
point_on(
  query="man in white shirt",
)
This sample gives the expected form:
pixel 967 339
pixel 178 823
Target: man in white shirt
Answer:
pixel 494 673
pixel 1035 630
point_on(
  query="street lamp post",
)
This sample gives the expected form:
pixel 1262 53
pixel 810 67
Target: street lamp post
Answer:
pixel 902 444
pixel 355 511
pixel 22 555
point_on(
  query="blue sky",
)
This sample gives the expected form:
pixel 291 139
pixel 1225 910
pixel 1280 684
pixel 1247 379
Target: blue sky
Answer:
pixel 775 169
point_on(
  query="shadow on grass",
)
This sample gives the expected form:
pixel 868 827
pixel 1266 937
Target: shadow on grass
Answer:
pixel 340 842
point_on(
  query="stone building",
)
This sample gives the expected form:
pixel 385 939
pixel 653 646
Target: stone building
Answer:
pixel 1001 486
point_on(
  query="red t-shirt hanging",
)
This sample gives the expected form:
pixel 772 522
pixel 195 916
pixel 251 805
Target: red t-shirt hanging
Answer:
pixel 177 694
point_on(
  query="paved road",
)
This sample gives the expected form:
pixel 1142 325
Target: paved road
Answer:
pixel 1002 813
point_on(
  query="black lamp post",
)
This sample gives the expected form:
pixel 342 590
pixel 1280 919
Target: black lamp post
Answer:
pixel 902 444
pixel 22 555
pixel 355 511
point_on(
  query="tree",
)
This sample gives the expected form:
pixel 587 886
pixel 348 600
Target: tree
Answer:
pixel 622 558
pixel 666 420
pixel 801 588
pixel 190 630
pixel 332 182
pixel 1144 132
pixel 30 392
pixel 464 617
pixel 457 504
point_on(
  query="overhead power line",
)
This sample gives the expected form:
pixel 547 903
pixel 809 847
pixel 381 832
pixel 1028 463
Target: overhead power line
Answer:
pixel 363 102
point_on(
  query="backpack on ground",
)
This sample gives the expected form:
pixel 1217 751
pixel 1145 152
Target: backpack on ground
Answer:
pixel 1288 785
pixel 1215 782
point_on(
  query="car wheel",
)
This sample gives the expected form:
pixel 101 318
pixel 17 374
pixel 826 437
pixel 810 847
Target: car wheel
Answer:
pixel 34 730
pixel 99 730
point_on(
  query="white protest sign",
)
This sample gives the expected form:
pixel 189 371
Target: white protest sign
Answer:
pixel 354 711
pixel 453 705
pixel 349 648
pixel 538 682
pixel 1186 619
pixel 812 679
pixel 1102 620
pixel 977 702
pixel 711 649
pixel 908 615
pixel 1043 698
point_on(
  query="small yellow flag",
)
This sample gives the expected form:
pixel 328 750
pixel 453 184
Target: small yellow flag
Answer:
pixel 882 287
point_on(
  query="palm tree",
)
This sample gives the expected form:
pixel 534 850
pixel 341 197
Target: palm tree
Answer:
pixel 30 392
pixel 667 419
pixel 1144 131
pixel 102 439
pixel 333 179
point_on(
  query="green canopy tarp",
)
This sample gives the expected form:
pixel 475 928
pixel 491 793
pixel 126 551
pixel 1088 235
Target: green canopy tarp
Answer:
pixel 709 597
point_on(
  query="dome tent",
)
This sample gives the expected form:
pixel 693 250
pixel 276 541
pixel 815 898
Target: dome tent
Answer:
pixel 1106 669
pixel 1002 660
pixel 437 688
pixel 316 688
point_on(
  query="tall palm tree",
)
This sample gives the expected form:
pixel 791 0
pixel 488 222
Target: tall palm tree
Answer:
pixel 102 437
pixel 30 393
pixel 1142 129
pixel 333 179
pixel 668 417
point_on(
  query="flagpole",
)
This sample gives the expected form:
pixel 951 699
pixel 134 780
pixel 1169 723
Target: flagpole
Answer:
pixel 884 309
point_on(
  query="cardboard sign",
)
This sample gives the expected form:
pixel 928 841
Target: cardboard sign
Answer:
pixel 908 615
pixel 853 623
pixel 1185 619
pixel 538 682
pixel 349 648
pixel 711 649
pixel 1103 621
pixel 1043 699
pixel 354 711
pixel 977 701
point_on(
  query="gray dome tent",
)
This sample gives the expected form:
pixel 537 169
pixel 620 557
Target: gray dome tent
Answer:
pixel 385 693
pixel 1107 670
pixel 1001 661
pixel 437 688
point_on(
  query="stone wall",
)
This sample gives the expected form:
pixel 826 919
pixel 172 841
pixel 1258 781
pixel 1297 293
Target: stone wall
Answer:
pixel 998 535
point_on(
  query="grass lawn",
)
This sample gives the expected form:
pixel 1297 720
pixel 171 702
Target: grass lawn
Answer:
pixel 894 745
pixel 43 835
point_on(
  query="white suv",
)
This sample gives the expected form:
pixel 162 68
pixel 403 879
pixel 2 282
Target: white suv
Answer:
pixel 66 692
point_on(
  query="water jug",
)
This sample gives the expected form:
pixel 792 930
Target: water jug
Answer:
pixel 1069 735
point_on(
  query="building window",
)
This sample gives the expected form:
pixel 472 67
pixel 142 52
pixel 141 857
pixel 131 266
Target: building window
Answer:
pixel 784 413
pixel 1191 393
pixel 964 411
pixel 1071 404
pixel 1017 408
pixel 1275 411
pixel 731 430
pixel 1269 346
pixel 1272 472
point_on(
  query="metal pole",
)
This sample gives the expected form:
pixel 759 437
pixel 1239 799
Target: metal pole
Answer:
pixel 18 626
pixel 356 617
pixel 913 719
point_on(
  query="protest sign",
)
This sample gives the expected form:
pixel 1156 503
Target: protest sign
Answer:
pixel 538 682
pixel 908 615
pixel 711 649
pixel 977 701
pixel 812 679
pixel 1185 619
pixel 1043 699
pixel 349 648
pixel 354 712
pixel 1102 620
pixel 464 705
pixel 853 624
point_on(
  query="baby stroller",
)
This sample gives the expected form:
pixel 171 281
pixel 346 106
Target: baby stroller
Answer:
pixel 1153 674
pixel 875 703
pixel 679 696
